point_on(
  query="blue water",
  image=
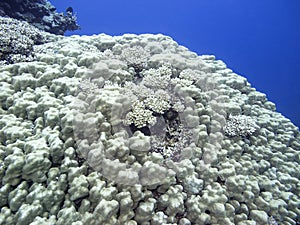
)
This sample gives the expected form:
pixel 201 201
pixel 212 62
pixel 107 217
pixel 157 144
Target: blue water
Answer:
pixel 257 39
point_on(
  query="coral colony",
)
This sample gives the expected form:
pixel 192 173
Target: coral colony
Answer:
pixel 136 129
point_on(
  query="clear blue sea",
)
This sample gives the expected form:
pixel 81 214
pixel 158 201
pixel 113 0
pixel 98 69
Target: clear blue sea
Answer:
pixel 257 39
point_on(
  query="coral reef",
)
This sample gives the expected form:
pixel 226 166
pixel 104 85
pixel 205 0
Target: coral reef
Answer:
pixel 41 14
pixel 18 40
pixel 136 129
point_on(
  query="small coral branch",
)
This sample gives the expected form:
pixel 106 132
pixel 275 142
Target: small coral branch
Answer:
pixel 239 125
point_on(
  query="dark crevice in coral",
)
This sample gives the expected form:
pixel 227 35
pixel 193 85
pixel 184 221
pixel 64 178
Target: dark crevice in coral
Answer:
pixel 145 130
pixel 220 181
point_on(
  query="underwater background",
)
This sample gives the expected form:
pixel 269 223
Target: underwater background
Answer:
pixel 136 129
pixel 259 40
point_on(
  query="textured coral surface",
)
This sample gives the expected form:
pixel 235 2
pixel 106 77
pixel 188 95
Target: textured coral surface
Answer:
pixel 136 129
pixel 17 40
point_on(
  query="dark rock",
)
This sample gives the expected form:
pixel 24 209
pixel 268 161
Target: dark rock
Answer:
pixel 39 13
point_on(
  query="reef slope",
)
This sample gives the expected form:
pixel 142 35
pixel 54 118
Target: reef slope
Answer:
pixel 136 129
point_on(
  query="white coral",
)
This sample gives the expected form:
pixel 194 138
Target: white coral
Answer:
pixel 140 116
pixel 87 86
pixel 157 78
pixel 239 125
pixel 158 102
pixel 136 57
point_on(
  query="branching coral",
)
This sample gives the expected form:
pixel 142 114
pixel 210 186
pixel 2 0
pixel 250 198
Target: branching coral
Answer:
pixel 135 57
pixel 140 116
pixel 239 125
pixel 17 40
